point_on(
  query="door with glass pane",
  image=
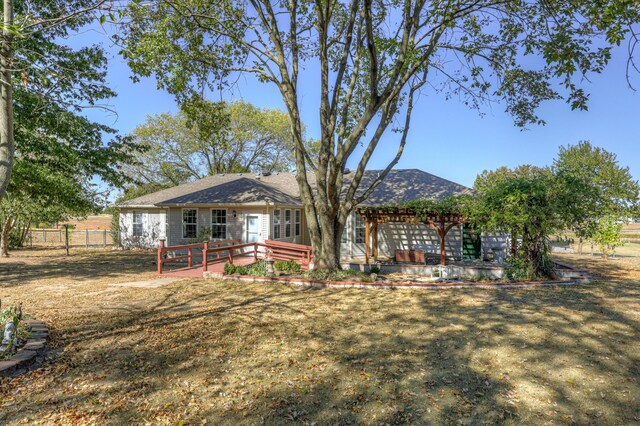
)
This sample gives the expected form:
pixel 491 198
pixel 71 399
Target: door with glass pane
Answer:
pixel 253 228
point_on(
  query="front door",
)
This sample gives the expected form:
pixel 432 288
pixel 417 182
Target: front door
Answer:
pixel 253 228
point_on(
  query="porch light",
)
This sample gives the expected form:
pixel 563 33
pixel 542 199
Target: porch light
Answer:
pixel 234 213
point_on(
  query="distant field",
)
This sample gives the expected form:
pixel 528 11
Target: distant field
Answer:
pixel 630 236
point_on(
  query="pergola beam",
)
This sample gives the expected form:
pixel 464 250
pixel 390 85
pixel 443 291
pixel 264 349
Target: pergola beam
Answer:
pixel 441 222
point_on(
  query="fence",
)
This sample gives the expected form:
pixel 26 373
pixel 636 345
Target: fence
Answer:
pixel 228 249
pixel 77 238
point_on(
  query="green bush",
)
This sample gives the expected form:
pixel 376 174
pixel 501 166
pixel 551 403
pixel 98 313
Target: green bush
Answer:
pixel 258 269
pixel 290 266
pixel 375 269
pixel 229 269
pixel 517 269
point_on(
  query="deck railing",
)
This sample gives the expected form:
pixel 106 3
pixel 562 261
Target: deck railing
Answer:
pixel 196 250
pixel 230 249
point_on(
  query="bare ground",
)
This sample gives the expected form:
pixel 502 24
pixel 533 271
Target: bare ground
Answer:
pixel 212 352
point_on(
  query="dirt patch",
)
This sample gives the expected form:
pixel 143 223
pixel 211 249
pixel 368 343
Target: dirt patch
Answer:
pixel 229 353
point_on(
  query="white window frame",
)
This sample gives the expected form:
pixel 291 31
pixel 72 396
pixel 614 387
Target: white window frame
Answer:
pixel 277 225
pixel 287 223
pixel 297 222
pixel 225 225
pixel 184 224
pixel 133 223
pixel 359 226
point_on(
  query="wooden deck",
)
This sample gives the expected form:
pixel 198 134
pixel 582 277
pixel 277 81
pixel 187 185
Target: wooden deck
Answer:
pixel 216 266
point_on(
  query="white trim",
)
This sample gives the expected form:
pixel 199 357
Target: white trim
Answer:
pixel 143 216
pixel 182 221
pixel 290 223
pixel 245 226
pixel 226 222
pixel 297 232
pixel 273 224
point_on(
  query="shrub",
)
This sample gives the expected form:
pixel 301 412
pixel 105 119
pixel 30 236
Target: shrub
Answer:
pixel 517 269
pixel 375 269
pixel 290 266
pixel 229 269
pixel 258 269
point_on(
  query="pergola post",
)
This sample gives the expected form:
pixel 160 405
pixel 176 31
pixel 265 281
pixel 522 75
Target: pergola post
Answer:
pixel 366 240
pixel 375 241
pixel 443 234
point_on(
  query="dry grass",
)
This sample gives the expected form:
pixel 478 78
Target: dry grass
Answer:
pixel 228 353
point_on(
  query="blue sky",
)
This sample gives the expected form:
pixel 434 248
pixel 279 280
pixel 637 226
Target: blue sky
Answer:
pixel 446 138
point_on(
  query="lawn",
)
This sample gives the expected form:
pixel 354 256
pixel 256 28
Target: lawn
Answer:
pixel 199 352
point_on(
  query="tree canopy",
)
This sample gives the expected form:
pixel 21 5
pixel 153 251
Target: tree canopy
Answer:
pixel 585 190
pixel 370 62
pixel 38 71
pixel 614 193
pixel 207 138
pixel 46 86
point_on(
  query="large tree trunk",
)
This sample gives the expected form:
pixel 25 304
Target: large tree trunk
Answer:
pixel 4 237
pixel 7 148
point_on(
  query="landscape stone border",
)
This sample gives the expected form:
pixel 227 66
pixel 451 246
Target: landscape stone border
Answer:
pixel 29 355
pixel 577 277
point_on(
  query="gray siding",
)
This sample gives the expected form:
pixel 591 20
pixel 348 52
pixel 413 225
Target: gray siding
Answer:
pixel 236 226
pixel 154 227
pixel 403 236
pixel 496 243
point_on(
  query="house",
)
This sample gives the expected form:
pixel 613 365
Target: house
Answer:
pixel 258 207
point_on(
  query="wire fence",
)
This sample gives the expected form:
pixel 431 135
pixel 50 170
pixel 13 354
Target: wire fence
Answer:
pixel 77 238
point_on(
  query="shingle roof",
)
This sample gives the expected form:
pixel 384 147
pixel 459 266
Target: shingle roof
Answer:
pixel 281 188
pixel 232 188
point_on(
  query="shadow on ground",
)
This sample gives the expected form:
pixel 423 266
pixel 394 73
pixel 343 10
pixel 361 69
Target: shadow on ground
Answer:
pixel 253 353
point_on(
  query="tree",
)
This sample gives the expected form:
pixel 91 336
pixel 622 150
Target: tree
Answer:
pixel 56 149
pixel 210 138
pixel 38 194
pixel 33 61
pixel 614 193
pixel 530 204
pixel 370 62
pixel 606 235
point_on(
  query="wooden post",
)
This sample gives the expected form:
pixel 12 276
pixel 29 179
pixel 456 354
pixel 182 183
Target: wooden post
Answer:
pixel 104 238
pixel 205 247
pixel 231 256
pixel 442 235
pixel 367 233
pixel 375 241
pixel 255 252
pixel 86 238
pixel 189 257
pixel 160 248
pixel 66 238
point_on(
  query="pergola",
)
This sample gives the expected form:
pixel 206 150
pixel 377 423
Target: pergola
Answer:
pixel 374 216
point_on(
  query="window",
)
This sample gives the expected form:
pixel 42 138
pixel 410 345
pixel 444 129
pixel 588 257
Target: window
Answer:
pixel 287 223
pixel 138 228
pixel 296 223
pixel 359 228
pixel 345 232
pixel 219 224
pixel 276 224
pixel 189 223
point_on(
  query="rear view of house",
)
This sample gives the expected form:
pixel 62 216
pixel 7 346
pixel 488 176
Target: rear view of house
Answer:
pixel 259 207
